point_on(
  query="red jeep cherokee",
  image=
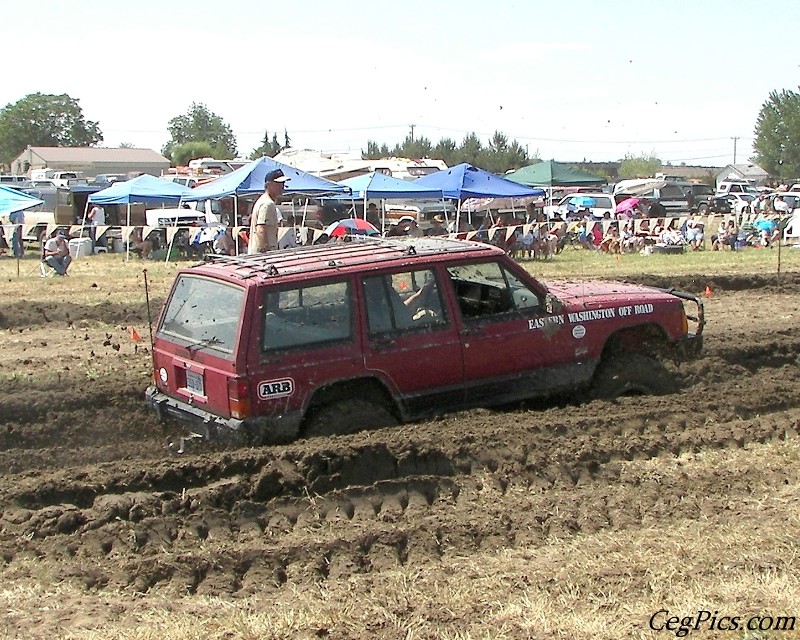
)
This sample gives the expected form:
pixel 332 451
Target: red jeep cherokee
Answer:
pixel 339 337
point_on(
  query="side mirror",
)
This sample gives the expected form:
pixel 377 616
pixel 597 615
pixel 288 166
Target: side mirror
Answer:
pixel 552 304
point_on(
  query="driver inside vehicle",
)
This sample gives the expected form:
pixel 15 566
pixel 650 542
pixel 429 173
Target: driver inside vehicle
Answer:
pixel 391 307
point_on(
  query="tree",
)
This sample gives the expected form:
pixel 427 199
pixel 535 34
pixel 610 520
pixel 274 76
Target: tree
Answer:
pixel 44 120
pixel 199 124
pixel 182 153
pixel 446 150
pixel 269 147
pixel 498 157
pixel 642 166
pixel 470 149
pixel 777 135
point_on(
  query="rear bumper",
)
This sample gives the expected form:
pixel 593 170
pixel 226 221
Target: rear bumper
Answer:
pixel 260 429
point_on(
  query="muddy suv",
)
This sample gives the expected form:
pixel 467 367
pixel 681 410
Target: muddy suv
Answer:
pixel 338 337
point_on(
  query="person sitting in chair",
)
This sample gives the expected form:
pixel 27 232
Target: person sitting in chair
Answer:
pixel 56 252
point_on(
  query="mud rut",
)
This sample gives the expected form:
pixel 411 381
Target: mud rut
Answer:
pixel 90 493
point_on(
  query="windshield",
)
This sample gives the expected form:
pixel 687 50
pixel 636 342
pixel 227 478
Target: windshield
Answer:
pixel 204 312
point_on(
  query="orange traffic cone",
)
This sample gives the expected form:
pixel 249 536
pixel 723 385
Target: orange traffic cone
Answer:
pixel 134 334
pixel 709 293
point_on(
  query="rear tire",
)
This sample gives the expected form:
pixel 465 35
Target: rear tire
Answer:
pixel 347 416
pixel 631 373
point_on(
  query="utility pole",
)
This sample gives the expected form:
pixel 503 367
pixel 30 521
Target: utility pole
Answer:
pixel 412 131
pixel 735 138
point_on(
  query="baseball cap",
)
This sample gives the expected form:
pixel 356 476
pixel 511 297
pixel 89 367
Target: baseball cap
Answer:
pixel 438 218
pixel 276 175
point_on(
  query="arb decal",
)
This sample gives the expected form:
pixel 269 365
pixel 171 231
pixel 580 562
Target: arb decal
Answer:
pixel 270 389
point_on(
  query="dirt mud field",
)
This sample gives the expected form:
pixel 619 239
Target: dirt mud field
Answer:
pixel 534 521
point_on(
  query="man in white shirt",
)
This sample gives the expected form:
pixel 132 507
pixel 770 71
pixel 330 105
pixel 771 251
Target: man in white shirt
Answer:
pixel 265 216
pixel 780 205
pixel 97 218
pixel 56 253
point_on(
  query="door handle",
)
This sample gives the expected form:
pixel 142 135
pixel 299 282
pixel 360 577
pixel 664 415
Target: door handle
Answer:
pixel 382 345
pixel 472 332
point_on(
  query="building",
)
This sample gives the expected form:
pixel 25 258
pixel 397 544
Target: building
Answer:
pixel 90 160
pixel 751 173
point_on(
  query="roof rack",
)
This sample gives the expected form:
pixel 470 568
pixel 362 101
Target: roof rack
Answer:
pixel 333 256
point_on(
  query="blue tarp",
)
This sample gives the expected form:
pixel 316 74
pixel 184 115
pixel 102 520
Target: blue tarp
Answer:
pixel 145 189
pixel 12 200
pixel 250 179
pixel 465 181
pixel 381 186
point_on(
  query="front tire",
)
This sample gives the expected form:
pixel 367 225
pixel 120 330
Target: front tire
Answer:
pixel 629 373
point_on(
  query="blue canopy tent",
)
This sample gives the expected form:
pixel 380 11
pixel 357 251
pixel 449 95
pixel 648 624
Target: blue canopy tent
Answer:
pixel 381 186
pixel 377 185
pixel 465 181
pixel 12 201
pixel 249 179
pixel 145 189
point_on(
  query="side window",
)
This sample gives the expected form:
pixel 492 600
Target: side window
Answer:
pixel 403 301
pixel 307 316
pixel 488 289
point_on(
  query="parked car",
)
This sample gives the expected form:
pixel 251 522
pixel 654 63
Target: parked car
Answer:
pixel 741 203
pixel 571 205
pixel 337 337
pixel 107 179
pixel 717 205
pixel 735 186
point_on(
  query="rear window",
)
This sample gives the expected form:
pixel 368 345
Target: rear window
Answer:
pixel 204 312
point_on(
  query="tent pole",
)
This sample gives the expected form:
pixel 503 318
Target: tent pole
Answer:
pixel 169 247
pixel 236 220
pixel 85 212
pixel 128 243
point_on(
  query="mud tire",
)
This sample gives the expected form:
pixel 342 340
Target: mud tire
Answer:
pixel 631 374
pixel 347 416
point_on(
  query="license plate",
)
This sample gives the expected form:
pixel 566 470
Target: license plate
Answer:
pixel 194 383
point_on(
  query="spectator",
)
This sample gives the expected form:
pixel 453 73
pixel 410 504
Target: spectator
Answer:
pixel 224 243
pixel 656 210
pixel 265 216
pixel 527 241
pixel 373 215
pixel 629 241
pixel 694 233
pixel 97 218
pixel 142 247
pixel 437 226
pixel 56 252
pixel 611 240
pixel 780 205
pixel 768 232
pixel 17 248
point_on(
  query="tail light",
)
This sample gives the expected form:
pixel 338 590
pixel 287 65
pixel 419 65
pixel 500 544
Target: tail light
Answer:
pixel 239 398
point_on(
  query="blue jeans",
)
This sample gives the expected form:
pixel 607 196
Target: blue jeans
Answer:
pixel 16 242
pixel 59 263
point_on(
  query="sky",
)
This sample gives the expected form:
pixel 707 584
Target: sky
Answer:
pixel 570 81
